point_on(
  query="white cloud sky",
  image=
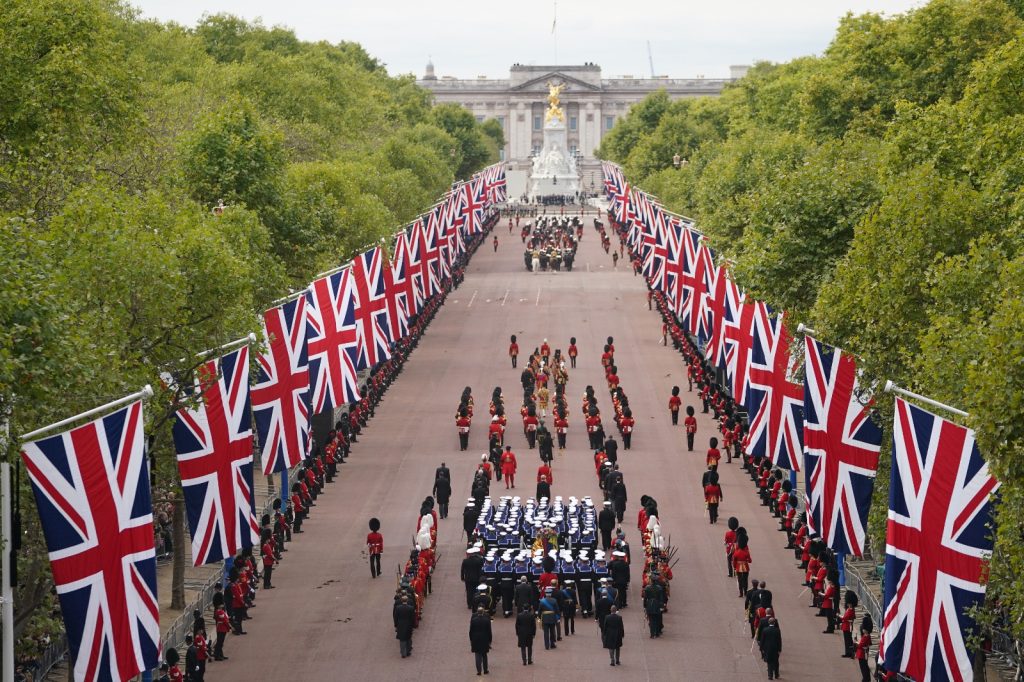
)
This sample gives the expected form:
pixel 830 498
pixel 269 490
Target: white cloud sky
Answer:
pixel 467 38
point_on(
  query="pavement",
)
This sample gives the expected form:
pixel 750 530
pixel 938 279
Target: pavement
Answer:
pixel 329 620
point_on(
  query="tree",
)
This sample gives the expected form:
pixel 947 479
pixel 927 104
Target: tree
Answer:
pixel 234 157
pixel 472 151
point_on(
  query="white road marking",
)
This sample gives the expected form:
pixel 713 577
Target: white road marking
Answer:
pixel 504 299
pixel 473 298
pixel 538 297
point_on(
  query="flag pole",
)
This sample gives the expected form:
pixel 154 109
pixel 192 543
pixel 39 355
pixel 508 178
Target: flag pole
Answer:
pixel 290 297
pixel 890 387
pixel 144 394
pixel 251 338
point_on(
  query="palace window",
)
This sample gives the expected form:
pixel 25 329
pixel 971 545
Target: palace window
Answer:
pixel 572 123
pixel 501 122
pixel 479 119
pixel 536 122
pixel 609 122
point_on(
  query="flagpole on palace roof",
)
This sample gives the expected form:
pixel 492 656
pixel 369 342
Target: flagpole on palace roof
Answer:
pixel 890 387
pixel 144 394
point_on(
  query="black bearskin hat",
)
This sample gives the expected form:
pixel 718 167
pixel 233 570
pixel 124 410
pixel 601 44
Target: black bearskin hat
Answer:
pixel 375 524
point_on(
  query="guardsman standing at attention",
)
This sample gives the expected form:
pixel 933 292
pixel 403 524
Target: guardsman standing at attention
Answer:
pixel 690 423
pixel 712 496
pixel 573 351
pixel 374 547
pixel 545 351
pixel 513 351
pixel 674 402
pixel 462 424
pixel 847 624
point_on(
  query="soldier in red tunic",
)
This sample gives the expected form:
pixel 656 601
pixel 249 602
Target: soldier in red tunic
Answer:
pixel 374 547
pixel 530 426
pixel 674 403
pixel 561 428
pixel 713 456
pixel 545 351
pixel 626 425
pixel 730 541
pixel 462 424
pixel 573 352
pixel 513 351
pixel 690 424
pixel 508 467
pixel 712 496
pixel 847 624
pixel 741 561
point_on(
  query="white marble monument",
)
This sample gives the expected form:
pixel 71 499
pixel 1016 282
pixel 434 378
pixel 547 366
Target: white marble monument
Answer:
pixel 554 171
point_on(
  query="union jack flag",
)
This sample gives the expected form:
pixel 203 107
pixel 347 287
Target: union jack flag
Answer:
pixel 214 445
pixel 408 297
pixel 398 320
pixel 281 395
pixel 494 177
pixel 91 486
pixel 414 263
pixel 429 251
pixel 692 309
pixel 673 279
pixel 373 319
pixel 937 546
pixel 776 403
pixel 473 202
pixel 841 446
pixel 453 222
pixel 332 341
pixel 724 301
pixel 739 343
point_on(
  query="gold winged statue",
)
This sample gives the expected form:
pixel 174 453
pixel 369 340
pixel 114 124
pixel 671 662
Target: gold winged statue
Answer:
pixel 554 103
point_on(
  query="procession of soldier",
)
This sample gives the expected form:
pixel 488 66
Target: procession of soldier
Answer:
pixel 548 559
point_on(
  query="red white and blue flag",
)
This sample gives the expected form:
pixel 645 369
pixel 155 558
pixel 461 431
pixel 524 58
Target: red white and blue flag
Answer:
pixel 841 446
pixel 938 542
pixel 91 486
pixel 408 297
pixel 281 396
pixel 429 252
pixel 472 204
pixel 213 440
pixel 692 308
pixel 372 316
pixel 776 403
pixel 332 341
pixel 739 343
pixel 724 306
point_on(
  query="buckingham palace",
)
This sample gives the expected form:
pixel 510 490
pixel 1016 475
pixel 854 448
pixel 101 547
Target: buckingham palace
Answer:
pixel 592 104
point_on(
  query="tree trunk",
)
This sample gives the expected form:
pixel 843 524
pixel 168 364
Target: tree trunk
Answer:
pixel 178 557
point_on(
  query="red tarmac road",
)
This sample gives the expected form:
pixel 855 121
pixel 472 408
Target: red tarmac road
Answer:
pixel 328 620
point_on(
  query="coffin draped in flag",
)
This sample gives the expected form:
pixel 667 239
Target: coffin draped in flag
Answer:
pixel 281 395
pixel 841 446
pixel 372 315
pixel 213 440
pixel 937 544
pixel 332 343
pixel 91 487
pixel 775 403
